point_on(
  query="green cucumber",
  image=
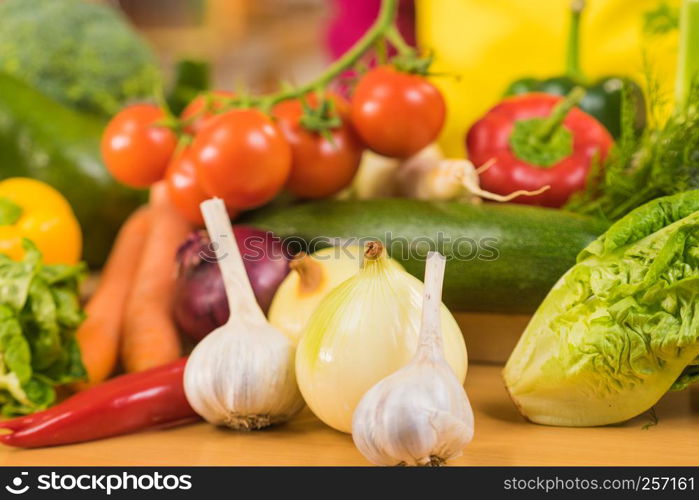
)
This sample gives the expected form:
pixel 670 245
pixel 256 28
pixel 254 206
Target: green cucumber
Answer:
pixel 43 139
pixel 502 258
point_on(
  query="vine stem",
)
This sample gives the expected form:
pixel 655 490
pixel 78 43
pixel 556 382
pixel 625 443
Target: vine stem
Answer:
pixel 380 28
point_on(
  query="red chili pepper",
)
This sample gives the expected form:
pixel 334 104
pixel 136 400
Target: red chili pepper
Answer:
pixel 124 404
pixel 535 140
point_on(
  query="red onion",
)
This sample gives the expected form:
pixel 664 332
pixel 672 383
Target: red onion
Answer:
pixel 200 304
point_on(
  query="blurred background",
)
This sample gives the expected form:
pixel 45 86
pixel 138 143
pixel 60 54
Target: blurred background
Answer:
pixel 81 61
pixel 248 42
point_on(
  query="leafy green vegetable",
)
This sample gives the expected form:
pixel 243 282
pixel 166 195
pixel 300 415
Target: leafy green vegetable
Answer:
pixel 663 161
pixel 621 327
pixel 39 313
pixel 77 52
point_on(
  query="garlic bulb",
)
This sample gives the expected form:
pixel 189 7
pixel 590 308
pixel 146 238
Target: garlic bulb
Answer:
pixel 429 176
pixel 311 278
pixel 374 179
pixel 242 374
pixel 419 415
pixel 364 330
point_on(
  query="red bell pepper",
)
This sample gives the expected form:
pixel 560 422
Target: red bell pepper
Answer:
pixel 535 140
pixel 124 404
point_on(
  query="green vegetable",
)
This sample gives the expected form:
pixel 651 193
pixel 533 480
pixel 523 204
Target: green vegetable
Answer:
pixel 621 327
pixel 664 160
pixel 80 53
pixel 39 313
pixel 689 50
pixel 602 99
pixel 503 258
pixel 43 139
pixel 192 77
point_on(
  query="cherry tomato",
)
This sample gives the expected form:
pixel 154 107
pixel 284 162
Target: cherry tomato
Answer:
pixel 135 151
pixel 196 106
pixel 242 157
pixel 397 114
pixel 320 167
pixel 184 188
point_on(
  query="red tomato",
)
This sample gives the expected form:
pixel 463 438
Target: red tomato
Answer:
pixel 197 106
pixel 135 151
pixel 397 114
pixel 183 186
pixel 242 157
pixel 320 167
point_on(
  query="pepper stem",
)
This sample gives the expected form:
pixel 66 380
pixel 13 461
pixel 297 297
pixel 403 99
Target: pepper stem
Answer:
pixel 544 141
pixel 10 212
pixel 549 126
pixel 573 70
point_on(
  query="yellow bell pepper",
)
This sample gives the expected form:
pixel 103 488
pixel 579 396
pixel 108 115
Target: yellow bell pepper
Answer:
pixel 36 211
pixel 488 44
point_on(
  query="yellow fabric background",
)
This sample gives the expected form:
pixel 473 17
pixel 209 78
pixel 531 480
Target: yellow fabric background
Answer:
pixel 490 43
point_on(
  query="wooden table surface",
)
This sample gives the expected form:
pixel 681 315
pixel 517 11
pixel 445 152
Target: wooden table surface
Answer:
pixel 502 438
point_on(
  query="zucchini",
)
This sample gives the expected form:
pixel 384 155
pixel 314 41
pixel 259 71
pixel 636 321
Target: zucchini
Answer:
pixel 502 258
pixel 43 139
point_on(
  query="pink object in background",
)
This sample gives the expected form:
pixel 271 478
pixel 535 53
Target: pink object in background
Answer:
pixel 353 17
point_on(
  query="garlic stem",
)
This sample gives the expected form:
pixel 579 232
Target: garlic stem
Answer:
pixel 241 298
pixel 430 343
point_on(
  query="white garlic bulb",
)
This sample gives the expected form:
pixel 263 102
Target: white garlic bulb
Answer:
pixel 419 415
pixel 242 374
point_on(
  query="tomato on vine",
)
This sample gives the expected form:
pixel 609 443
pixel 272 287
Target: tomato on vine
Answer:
pixel 396 113
pixel 134 148
pixel 323 161
pixel 202 108
pixel 242 157
pixel 183 186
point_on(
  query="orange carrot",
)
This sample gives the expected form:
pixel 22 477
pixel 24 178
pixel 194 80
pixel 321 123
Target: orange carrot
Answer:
pixel 149 336
pixel 98 336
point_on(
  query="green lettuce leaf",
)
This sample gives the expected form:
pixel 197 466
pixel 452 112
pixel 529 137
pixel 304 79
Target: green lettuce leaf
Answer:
pixel 620 327
pixel 39 314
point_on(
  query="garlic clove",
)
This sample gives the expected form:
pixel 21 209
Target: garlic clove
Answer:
pixel 419 415
pixel 243 382
pixel 242 374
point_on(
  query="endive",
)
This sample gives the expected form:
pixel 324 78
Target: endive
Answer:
pixel 619 329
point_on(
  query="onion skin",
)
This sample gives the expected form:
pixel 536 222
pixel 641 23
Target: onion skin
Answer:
pixel 200 304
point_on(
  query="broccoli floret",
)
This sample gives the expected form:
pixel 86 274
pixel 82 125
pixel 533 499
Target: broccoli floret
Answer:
pixel 82 54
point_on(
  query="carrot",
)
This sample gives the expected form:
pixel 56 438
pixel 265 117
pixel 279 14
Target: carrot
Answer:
pixel 98 336
pixel 149 336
